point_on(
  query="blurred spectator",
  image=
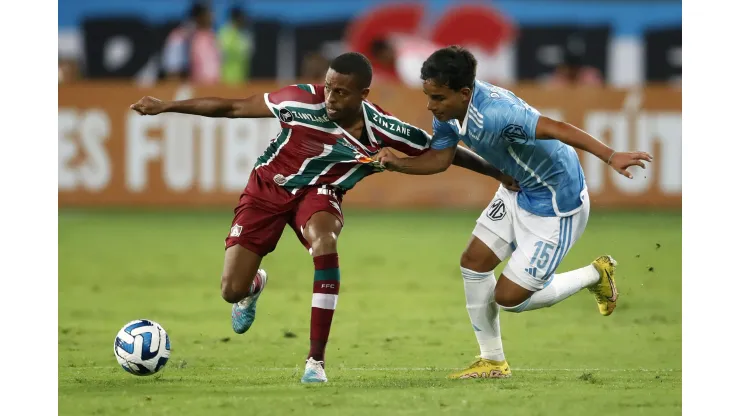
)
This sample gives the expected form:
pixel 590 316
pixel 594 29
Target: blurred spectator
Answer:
pixel 68 70
pixel 236 47
pixel 383 59
pixel 572 71
pixel 191 51
pixel 314 67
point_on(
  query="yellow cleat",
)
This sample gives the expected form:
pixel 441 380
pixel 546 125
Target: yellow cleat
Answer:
pixel 484 368
pixel 605 290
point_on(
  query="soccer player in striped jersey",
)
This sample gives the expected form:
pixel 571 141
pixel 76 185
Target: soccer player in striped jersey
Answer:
pixel 535 227
pixel 325 146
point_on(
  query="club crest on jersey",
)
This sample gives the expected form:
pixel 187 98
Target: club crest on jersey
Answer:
pixel 236 231
pixel 514 133
pixel 279 179
pixel 497 210
pixel 285 115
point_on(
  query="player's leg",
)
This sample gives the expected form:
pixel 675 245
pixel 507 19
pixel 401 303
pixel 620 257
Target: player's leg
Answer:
pixel 490 244
pixel 528 281
pixel 318 223
pixel 255 231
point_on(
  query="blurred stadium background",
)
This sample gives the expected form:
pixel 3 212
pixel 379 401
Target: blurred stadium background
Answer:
pixel 145 203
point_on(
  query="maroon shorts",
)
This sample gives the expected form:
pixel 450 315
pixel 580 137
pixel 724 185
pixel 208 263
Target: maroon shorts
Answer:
pixel 265 208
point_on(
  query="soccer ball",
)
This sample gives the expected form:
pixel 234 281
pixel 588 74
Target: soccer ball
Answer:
pixel 142 347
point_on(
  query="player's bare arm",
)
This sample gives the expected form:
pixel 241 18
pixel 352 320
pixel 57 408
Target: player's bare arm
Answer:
pixel 251 107
pixel 435 161
pixel 428 163
pixel 548 128
pixel 467 159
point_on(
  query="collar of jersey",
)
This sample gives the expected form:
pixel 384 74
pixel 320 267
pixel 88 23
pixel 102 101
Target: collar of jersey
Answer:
pixel 369 129
pixel 464 128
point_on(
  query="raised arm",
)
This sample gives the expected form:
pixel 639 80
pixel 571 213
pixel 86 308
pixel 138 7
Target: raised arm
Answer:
pixel 251 107
pixel 548 128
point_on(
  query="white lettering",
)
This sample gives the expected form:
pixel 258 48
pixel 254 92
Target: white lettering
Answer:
pixel 140 149
pixel 179 157
pixel 242 146
pixel 207 154
pixel 67 120
pixel 94 131
pixel 92 128
pixel 642 134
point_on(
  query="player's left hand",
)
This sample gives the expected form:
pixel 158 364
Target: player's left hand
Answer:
pixel 620 161
pixel 386 159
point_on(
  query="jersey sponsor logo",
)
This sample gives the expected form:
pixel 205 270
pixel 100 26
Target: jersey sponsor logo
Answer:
pixel 497 210
pixel 236 231
pixel 514 133
pixel 391 125
pixel 279 179
pixel 312 118
pixel 285 115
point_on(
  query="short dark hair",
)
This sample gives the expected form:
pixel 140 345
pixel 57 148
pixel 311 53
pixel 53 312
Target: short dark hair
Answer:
pixel 453 66
pixel 354 63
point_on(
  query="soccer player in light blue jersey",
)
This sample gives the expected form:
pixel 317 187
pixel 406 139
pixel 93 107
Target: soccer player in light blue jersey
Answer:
pixel 533 227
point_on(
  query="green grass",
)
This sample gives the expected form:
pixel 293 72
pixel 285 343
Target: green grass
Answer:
pixel 400 326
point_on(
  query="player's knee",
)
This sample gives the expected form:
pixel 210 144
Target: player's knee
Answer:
pixel 506 300
pixel 471 261
pixel 229 290
pixel 324 243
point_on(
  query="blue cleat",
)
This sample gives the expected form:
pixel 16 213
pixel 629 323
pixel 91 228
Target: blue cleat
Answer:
pixel 244 311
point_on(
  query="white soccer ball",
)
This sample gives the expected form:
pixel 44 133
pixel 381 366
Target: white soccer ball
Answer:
pixel 142 347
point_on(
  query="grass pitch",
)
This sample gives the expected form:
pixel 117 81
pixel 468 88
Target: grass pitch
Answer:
pixel 400 327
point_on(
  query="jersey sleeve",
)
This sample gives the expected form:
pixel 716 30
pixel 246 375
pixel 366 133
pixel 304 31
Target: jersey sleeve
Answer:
pixel 299 93
pixel 443 136
pixel 395 133
pixel 513 122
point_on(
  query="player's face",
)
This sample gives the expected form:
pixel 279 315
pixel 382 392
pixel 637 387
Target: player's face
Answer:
pixel 445 103
pixel 343 96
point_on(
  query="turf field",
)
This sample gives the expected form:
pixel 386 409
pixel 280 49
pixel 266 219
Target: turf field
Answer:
pixel 400 326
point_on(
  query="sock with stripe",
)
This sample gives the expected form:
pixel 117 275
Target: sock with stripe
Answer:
pixel 325 294
pixel 562 286
pixel 483 312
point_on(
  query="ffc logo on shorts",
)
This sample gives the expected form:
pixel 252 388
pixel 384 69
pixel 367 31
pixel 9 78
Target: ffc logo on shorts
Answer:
pixel 285 115
pixel 497 210
pixel 236 231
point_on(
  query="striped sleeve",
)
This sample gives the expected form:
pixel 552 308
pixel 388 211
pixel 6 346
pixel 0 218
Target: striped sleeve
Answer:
pixel 394 133
pixel 277 101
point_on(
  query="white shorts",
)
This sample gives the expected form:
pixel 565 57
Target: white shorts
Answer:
pixel 535 244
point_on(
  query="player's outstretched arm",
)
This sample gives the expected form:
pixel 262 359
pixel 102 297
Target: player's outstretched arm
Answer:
pixel 251 107
pixel 548 128
pixel 466 158
pixel 428 163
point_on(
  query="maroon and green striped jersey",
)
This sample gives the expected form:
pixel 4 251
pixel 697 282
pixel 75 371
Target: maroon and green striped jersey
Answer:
pixel 312 150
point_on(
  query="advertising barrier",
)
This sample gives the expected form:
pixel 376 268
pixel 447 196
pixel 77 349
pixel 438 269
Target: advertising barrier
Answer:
pixel 111 156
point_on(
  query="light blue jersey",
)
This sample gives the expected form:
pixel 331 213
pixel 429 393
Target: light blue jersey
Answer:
pixel 500 127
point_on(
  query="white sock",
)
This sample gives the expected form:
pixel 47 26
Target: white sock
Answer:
pixel 483 312
pixel 563 285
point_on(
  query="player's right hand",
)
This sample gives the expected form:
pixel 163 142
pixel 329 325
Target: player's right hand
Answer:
pixel 148 106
